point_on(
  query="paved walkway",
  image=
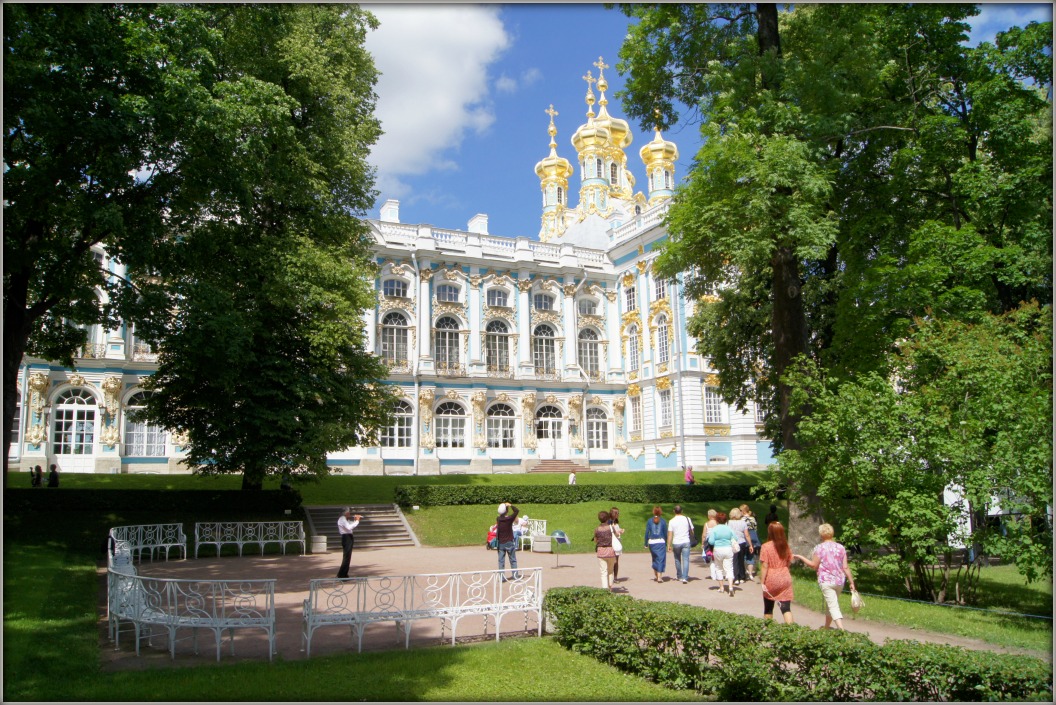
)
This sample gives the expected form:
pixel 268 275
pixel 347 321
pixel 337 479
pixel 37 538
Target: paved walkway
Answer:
pixel 292 573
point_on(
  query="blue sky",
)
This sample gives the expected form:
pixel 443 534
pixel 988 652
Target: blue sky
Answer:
pixel 464 89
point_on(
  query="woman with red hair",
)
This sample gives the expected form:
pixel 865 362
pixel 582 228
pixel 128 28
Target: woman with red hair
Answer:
pixel 774 559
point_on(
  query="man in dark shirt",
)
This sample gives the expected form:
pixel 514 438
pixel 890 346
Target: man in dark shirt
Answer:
pixel 507 543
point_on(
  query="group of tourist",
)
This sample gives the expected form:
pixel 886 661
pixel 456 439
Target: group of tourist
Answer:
pixel 36 476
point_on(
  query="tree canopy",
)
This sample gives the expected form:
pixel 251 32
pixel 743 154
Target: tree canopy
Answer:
pixel 255 269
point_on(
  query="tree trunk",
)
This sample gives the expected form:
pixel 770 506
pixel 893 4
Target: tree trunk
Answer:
pixel 253 478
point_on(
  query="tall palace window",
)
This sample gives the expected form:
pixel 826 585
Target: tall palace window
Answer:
pixel 597 429
pixel 73 428
pixel 633 359
pixel 661 339
pixel 712 405
pixel 661 288
pixel 142 438
pixel 631 298
pixel 588 353
pixel 394 338
pixel 501 425
pixel 497 347
pixel 665 407
pixel 450 423
pixel 398 435
pixel 636 414
pixel 446 343
pixel 544 351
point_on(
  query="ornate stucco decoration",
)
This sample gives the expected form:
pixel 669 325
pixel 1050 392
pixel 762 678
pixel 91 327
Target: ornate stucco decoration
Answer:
pixel 401 270
pixel 503 397
pixel 642 267
pixel 180 438
pixel 667 434
pixel 480 398
pixel 524 284
pixel 455 309
pixel 452 395
pixel 590 319
pixel 551 399
pixel 502 313
pixel 611 296
pixel 597 401
pixel 709 298
pixel 633 390
pixel 110 436
pixel 641 249
pixel 621 445
pixel 575 406
pixel 454 274
pixel 666 450
pixel 595 289
pixel 395 303
pixel 716 429
pixel 425 407
pixel 428 442
pixel 632 376
pixel 545 317
pixel 663 383
pixel 661 368
pixel 36 435
pixel 576 441
pixel 570 289
pixel 112 394
pixel 77 380
pixel 426 274
pixel 711 380
pixel 38 387
pixel 618 404
pixel 528 414
pixel 631 317
pixel 636 436
pixel 628 279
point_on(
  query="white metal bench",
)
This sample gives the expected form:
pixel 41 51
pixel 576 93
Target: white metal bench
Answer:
pixel 172 604
pixel 240 533
pixel 151 537
pixel 450 597
pixel 536 528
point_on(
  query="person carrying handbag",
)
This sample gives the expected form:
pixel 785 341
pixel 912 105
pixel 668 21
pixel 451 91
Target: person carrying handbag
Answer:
pixel 603 539
pixel 617 544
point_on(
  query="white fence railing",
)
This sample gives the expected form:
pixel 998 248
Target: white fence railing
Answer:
pixel 241 533
pixel 151 537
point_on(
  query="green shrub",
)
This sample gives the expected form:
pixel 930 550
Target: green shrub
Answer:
pixel 737 657
pixel 444 495
pixel 204 505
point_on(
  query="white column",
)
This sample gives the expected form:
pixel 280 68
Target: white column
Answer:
pixel 612 332
pixel 424 302
pixel 524 317
pixel 474 319
pixel 569 323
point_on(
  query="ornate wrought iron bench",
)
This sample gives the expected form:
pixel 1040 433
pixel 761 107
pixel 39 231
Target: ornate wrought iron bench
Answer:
pixel 174 604
pixel 450 597
pixel 536 528
pixel 240 533
pixel 151 537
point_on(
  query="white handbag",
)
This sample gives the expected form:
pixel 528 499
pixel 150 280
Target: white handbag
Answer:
pixel 857 602
pixel 617 545
pixel 736 546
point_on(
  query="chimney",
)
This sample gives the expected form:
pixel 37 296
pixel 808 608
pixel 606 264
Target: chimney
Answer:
pixel 479 224
pixel 390 211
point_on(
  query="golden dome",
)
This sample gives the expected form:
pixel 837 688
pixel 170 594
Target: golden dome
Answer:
pixel 590 134
pixel 659 150
pixel 553 166
pixel 619 131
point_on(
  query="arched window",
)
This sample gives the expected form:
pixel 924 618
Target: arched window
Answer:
pixel 73 426
pixel 630 297
pixel 637 210
pixel 500 426
pixel 632 349
pixel 394 287
pixel 497 347
pixel 450 422
pixel 614 174
pixel 597 428
pixel 447 293
pixel 446 348
pixel 661 287
pixel 588 307
pixel 589 359
pixel 394 338
pixel 598 169
pixel 141 438
pixel 398 435
pixel 667 179
pixel 498 297
pixel 543 302
pixel 661 339
pixel 560 196
pixel 548 422
pixel 544 353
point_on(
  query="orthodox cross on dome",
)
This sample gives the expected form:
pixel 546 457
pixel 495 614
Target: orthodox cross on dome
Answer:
pixel 552 131
pixel 590 93
pixel 603 85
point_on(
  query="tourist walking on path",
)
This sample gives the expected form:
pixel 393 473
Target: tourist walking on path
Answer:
pixel 753 535
pixel 679 533
pixel 829 558
pixel 771 516
pixel 614 521
pixel 36 477
pixel 606 554
pixel 774 559
pixel 690 480
pixel 507 543
pixel 656 542
pixel 53 476
pixel 346 524
pixel 740 532
pixel 721 539
pixel 572 477
pixel 706 549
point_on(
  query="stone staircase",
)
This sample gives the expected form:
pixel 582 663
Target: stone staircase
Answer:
pixel 382 525
pixel 565 466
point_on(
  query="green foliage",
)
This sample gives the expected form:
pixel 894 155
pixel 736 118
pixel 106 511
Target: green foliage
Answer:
pixel 736 657
pixel 436 495
pixel 205 505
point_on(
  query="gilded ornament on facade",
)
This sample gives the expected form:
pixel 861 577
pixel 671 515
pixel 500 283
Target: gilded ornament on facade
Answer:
pixel 716 429
pixel 551 399
pixel 36 435
pixel 628 279
pixel 474 281
pixel 662 367
pixel 576 441
pixel 110 436
pixel 632 376
pixel 428 442
pixel 77 380
pixel 570 289
pixel 597 401
pixel 621 445
pixel 530 441
pixel 711 380
pixel 631 317
pixel 633 390
pixel 524 284
pixel 395 303
pixel 38 387
pixel 401 270
pixel 591 319
pixel 575 402
pixel 545 317
pixel 667 434
pixel 426 274
pixel 503 397
pixel 636 436
pixel 641 249
pixel 642 266
pixel 180 438
pixel 452 394
pixel 619 403
pixel 611 296
pixel 663 383
pixel 112 394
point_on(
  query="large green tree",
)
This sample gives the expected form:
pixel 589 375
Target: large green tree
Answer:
pixel 236 173
pixel 859 166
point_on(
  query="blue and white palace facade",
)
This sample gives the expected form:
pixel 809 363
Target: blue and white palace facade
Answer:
pixel 508 351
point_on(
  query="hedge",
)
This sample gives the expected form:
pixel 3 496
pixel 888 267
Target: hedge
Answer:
pixel 737 657
pixel 205 505
pixel 444 495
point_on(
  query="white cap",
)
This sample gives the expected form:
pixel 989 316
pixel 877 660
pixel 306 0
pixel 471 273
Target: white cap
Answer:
pixel 502 508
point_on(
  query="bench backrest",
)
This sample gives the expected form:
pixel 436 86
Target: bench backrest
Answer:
pixel 149 535
pixel 248 531
pixel 423 593
pixel 211 601
pixel 536 527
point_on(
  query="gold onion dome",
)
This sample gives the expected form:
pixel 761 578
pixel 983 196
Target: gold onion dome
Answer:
pixel 619 131
pixel 589 134
pixel 658 151
pixel 553 165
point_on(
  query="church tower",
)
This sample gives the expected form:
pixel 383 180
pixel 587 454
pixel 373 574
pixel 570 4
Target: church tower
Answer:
pixel 659 157
pixel 553 173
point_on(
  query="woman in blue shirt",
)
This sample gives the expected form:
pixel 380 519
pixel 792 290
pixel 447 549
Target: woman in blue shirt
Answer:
pixel 721 539
pixel 656 542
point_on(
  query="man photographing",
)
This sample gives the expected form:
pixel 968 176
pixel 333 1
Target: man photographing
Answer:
pixel 346 524
pixel 507 542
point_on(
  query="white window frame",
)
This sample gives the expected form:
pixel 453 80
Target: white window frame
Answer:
pixel 540 298
pixel 597 429
pixel 395 288
pixel 395 338
pixel 590 305
pixel 630 298
pixel 446 343
pixel 662 347
pixel 636 421
pixel 589 351
pixel 142 439
pixel 73 423
pixel 495 295
pixel 544 350
pixel 447 293
pixel 664 398
pixel 398 434
pixel 501 427
pixel 634 360
pixel 660 285
pixel 714 409
pixel 450 427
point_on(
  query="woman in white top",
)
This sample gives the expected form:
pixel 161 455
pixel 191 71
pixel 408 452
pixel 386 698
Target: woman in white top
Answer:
pixel 678 538
pixel 740 531
pixel 721 539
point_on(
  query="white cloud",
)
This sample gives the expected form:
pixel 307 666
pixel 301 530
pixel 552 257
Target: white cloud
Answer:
pixel 505 84
pixel 531 76
pixel 994 18
pixel 434 86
